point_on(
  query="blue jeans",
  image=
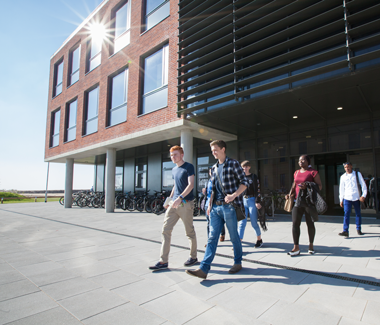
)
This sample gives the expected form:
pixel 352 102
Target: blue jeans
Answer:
pixel 250 210
pixel 220 215
pixel 347 205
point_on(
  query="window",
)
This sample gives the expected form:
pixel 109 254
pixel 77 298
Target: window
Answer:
pixel 167 166
pixel 58 77
pixel 122 26
pixel 156 11
pixel 94 54
pixel 119 89
pixel 91 112
pixel 119 175
pixel 74 65
pixel 141 169
pixel 55 121
pixel 71 121
pixel 156 80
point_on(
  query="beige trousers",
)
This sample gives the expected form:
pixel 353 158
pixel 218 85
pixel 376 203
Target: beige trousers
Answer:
pixel 172 216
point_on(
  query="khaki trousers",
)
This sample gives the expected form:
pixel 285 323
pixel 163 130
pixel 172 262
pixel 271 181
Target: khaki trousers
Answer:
pixel 172 216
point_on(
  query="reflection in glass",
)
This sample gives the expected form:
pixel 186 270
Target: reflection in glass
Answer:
pixel 92 111
pixel 71 121
pixel 56 116
pixel 122 26
pixel 118 112
pixel 75 61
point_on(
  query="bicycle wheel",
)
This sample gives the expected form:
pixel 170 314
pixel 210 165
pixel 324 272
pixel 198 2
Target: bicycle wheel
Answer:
pixel 62 200
pixel 148 205
pixel 130 205
pixel 268 209
pixel 197 210
pixel 140 205
pixel 157 206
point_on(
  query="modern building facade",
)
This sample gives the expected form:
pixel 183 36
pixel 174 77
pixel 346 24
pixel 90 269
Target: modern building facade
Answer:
pixel 275 79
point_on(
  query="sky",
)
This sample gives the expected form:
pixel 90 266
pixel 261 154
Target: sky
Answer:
pixel 31 32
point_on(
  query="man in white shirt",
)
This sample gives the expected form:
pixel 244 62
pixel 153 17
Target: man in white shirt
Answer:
pixel 349 196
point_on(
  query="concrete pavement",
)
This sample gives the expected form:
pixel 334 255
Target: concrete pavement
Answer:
pixel 83 266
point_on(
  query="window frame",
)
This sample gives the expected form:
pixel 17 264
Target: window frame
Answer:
pixel 53 133
pixel 71 72
pixel 164 77
pixel 150 13
pixel 55 83
pixel 111 109
pixel 67 119
pixel 85 111
pixel 89 58
pixel 128 27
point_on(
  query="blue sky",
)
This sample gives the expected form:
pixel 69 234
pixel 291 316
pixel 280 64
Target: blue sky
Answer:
pixel 31 31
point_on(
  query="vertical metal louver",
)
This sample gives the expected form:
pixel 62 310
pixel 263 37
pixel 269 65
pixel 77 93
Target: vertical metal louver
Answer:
pixel 233 51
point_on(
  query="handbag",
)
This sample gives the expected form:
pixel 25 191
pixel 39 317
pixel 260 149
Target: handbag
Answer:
pixel 240 213
pixel 363 205
pixel 289 202
pixel 320 204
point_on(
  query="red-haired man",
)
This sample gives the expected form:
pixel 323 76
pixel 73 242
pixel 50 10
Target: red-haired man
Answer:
pixel 181 207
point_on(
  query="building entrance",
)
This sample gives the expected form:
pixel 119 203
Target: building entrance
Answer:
pixel 330 168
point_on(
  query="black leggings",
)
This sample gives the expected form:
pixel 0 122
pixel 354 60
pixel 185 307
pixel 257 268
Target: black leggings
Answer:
pixel 297 214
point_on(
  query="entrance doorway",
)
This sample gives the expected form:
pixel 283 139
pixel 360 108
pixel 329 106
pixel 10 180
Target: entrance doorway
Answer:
pixel 330 168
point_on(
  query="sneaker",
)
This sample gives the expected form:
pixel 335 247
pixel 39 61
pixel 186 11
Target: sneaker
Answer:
pixel 294 253
pixel 235 268
pixel 259 243
pixel 344 233
pixel 360 232
pixel 191 262
pixel 159 266
pixel 197 273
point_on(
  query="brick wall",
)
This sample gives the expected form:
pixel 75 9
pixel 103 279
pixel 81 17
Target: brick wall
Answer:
pixel 140 44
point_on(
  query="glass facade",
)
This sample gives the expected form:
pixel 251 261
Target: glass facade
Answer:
pixel 141 173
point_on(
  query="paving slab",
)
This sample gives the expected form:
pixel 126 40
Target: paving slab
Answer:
pixel 20 307
pixel 56 316
pixel 17 289
pixel 127 314
pixel 115 279
pixel 91 303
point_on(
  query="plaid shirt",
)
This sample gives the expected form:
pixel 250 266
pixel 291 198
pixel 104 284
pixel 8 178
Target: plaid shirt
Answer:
pixel 233 175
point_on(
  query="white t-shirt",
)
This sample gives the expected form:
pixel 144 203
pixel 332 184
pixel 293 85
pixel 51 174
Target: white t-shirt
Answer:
pixel 348 188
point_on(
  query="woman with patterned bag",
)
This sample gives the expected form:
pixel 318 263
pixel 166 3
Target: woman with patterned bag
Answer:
pixel 302 178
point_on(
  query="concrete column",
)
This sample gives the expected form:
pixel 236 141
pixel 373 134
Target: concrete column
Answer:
pixel 110 180
pixel 187 145
pixel 69 182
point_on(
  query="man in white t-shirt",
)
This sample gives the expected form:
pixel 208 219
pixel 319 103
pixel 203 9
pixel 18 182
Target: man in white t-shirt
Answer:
pixel 349 196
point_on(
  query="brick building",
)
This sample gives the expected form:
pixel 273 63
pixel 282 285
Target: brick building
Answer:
pixel 275 79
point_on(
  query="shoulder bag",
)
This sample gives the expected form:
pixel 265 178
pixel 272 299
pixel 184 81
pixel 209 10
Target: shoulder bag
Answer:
pixel 289 202
pixel 240 214
pixel 363 205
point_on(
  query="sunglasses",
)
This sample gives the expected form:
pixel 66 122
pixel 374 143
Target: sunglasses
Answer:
pixel 347 163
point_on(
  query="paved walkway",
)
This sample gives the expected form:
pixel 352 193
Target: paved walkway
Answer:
pixel 82 266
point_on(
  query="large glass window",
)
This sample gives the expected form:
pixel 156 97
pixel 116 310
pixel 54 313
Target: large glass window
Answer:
pixel 58 77
pixel 274 146
pixel 122 27
pixel 119 175
pixel 55 121
pixel 156 11
pixel 352 136
pixel 156 80
pixel 91 113
pixel 74 65
pixel 167 178
pixel 141 172
pixel 71 121
pixel 308 142
pixel 119 90
pixel 95 51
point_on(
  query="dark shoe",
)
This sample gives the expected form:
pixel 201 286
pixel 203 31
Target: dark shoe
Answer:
pixel 294 253
pixel 235 268
pixel 191 261
pixel 221 238
pixel 360 233
pixel 197 273
pixel 259 243
pixel 344 233
pixel 159 266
